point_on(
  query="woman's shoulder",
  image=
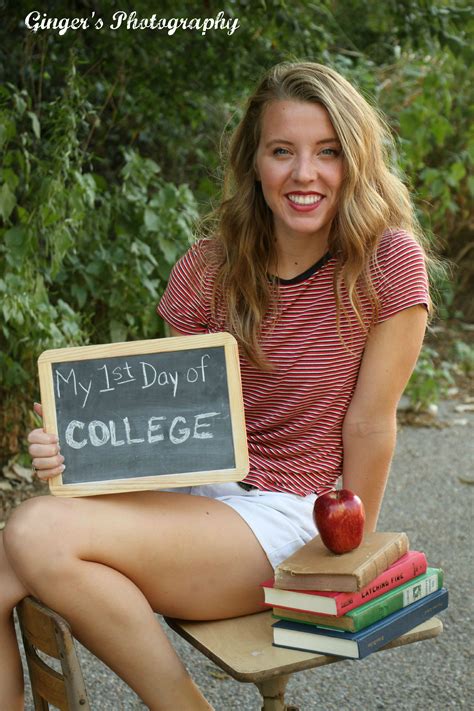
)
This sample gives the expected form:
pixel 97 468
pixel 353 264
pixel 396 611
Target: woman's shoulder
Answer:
pixel 399 256
pixel 197 263
pixel 396 243
pixel 201 255
pixel 400 261
pixel 399 273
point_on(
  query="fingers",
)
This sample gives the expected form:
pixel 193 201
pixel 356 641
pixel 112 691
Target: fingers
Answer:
pixel 49 473
pixel 39 436
pixel 48 467
pixel 38 408
pixel 43 451
pixel 47 461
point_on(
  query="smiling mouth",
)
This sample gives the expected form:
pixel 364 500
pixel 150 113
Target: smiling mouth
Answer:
pixel 305 199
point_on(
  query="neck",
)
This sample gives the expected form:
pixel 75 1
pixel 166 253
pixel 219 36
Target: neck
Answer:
pixel 295 257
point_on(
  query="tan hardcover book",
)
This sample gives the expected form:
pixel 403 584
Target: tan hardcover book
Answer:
pixel 314 567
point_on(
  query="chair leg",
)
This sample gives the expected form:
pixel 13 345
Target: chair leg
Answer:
pixel 273 693
pixel 39 703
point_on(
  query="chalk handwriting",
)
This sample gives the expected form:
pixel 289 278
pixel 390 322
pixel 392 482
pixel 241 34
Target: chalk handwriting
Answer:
pixel 106 379
pixel 97 433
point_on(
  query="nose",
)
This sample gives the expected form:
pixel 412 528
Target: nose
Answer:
pixel 304 169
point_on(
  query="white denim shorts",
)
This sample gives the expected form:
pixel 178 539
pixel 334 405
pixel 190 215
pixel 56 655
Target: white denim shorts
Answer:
pixel 281 522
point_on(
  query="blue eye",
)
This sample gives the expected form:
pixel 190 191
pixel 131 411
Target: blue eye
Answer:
pixel 280 151
pixel 330 152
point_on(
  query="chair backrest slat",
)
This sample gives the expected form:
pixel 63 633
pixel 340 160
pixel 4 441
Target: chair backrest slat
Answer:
pixel 44 630
pixel 39 629
pixel 48 683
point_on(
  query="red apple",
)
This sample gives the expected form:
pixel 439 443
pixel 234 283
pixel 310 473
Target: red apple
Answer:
pixel 339 517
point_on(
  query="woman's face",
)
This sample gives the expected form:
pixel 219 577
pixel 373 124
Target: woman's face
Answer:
pixel 300 166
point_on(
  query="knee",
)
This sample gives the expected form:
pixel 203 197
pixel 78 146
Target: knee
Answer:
pixel 37 536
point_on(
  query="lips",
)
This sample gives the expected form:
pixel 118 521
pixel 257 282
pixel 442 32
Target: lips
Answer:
pixel 305 198
pixel 304 202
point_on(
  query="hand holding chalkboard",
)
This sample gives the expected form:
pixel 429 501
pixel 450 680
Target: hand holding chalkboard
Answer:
pixel 145 414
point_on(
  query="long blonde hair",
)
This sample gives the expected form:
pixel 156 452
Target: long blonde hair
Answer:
pixel 372 200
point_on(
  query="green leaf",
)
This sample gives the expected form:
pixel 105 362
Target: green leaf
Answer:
pixel 20 104
pixel 441 128
pixel 3 135
pixel 470 184
pixel 118 332
pixel 170 250
pixel 470 150
pixel 16 239
pixel 100 182
pixel 457 172
pixel 7 202
pixel 35 124
pixel 152 220
pixel 80 293
pixel 94 269
pixel 23 214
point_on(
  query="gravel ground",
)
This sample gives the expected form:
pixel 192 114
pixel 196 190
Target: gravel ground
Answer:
pixel 429 496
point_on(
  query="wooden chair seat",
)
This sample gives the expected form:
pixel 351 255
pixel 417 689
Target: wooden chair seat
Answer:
pixel 242 647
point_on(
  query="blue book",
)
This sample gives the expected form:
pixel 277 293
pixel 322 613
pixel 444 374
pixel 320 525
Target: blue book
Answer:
pixel 356 645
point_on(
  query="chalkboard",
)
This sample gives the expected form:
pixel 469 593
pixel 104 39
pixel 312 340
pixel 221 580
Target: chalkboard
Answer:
pixel 145 414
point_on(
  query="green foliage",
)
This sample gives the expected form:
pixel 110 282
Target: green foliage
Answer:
pixel 429 381
pixel 81 260
pixel 463 355
pixel 117 272
pixel 429 102
pixel 435 374
pixel 386 29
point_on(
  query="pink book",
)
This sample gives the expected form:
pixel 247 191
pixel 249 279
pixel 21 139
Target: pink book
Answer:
pixel 407 567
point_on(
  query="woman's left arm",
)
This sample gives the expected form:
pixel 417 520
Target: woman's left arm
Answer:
pixel 370 425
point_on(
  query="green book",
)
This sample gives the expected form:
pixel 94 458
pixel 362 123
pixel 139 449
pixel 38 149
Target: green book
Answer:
pixel 373 611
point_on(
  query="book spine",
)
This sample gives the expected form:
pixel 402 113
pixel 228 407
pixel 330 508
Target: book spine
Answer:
pixel 406 569
pixel 383 560
pixel 330 622
pixel 396 599
pixel 413 616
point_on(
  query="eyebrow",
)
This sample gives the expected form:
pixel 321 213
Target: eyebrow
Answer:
pixel 332 139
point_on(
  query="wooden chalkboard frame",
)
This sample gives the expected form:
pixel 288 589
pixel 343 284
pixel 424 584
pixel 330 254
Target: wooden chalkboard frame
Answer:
pixel 47 360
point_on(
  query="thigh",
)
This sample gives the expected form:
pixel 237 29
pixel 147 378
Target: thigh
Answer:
pixel 11 589
pixel 191 556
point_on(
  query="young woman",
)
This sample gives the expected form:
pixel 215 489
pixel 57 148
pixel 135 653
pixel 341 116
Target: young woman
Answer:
pixel 316 267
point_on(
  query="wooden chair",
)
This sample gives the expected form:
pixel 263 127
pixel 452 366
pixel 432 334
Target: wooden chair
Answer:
pixel 45 631
pixel 241 646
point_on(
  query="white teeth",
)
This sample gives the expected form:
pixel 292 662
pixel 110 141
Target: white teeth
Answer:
pixel 305 199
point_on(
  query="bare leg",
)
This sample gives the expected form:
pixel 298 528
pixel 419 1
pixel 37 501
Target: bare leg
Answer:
pixel 11 673
pixel 105 563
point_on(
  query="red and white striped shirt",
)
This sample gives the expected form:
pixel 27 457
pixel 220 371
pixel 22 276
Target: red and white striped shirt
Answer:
pixel 294 413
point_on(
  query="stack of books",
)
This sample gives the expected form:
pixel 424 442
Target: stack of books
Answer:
pixel 353 604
